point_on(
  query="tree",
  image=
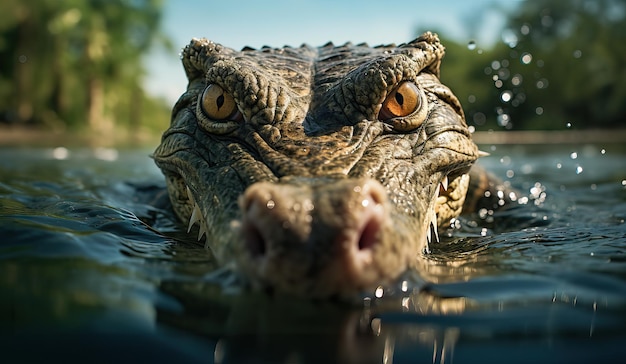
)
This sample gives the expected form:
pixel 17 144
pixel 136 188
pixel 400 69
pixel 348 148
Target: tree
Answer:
pixel 73 62
pixel 560 63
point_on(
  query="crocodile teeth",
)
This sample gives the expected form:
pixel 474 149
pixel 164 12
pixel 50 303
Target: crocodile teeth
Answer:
pixel 483 154
pixel 201 231
pixel 433 227
pixel 432 232
pixel 444 183
pixel 196 216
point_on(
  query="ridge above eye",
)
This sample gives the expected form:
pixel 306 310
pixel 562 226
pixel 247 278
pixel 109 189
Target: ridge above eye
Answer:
pixel 217 104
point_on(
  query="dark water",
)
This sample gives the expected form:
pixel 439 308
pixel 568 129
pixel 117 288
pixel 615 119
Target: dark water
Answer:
pixel 84 279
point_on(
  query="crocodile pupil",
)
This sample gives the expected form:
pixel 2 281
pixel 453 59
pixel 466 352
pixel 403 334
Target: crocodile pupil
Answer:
pixel 399 99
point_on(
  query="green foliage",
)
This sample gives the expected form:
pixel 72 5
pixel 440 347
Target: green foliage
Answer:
pixel 78 63
pixel 560 62
pixel 74 63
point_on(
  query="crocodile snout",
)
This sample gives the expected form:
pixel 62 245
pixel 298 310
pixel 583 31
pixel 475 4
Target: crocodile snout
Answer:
pixel 295 232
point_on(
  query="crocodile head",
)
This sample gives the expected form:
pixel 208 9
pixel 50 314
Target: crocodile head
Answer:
pixel 317 171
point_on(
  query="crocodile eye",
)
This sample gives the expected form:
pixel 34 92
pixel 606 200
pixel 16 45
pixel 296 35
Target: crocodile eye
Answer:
pixel 404 108
pixel 218 104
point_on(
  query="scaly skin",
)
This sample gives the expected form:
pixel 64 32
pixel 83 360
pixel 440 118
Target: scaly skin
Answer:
pixel 311 186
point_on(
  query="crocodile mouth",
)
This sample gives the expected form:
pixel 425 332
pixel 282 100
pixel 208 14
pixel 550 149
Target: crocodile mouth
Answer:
pixel 448 195
pixel 281 245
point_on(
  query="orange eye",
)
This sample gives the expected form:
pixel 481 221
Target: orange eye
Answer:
pixel 403 101
pixel 404 108
pixel 218 104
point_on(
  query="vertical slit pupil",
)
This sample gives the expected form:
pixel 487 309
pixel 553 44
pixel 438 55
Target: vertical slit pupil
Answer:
pixel 220 101
pixel 399 98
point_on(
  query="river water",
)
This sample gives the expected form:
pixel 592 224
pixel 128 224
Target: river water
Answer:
pixel 84 278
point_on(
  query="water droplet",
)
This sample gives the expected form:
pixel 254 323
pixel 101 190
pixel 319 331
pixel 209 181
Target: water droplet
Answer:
pixel 471 45
pixel 495 65
pixel 624 182
pixel 506 96
pixel 568 125
pixel 542 83
pixel 573 155
pixel 270 204
pixel 504 120
pixel 559 165
pixel 539 110
pixel 22 59
pixel 577 53
pixel 516 80
pixel 526 58
pixel 504 73
pixel 479 118
pixel 579 169
pixel 379 292
pixel 525 29
pixel 603 151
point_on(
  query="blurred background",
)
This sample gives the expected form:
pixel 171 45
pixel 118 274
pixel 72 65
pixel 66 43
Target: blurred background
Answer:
pixel 111 69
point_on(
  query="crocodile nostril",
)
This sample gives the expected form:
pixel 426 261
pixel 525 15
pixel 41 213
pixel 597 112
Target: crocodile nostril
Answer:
pixel 370 215
pixel 369 234
pixel 254 241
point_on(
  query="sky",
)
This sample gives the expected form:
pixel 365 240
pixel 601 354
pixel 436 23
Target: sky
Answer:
pixel 239 23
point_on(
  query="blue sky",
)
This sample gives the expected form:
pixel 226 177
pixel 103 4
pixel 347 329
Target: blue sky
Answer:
pixel 241 23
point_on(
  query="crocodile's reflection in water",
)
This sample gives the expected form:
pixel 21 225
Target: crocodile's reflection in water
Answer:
pixel 276 329
pixel 247 326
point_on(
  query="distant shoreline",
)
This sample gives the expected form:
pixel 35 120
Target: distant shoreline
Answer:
pixel 23 136
pixel 551 136
pixel 20 136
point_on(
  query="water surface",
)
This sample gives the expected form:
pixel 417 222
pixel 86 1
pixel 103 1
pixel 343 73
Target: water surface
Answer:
pixel 91 271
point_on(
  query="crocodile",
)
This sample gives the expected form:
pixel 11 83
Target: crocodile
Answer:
pixel 319 171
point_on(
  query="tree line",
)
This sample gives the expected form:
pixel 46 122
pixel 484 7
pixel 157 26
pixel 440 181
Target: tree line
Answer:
pixel 78 63
pixel 75 63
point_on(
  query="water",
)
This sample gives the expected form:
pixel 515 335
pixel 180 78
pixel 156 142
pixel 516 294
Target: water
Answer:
pixel 83 277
